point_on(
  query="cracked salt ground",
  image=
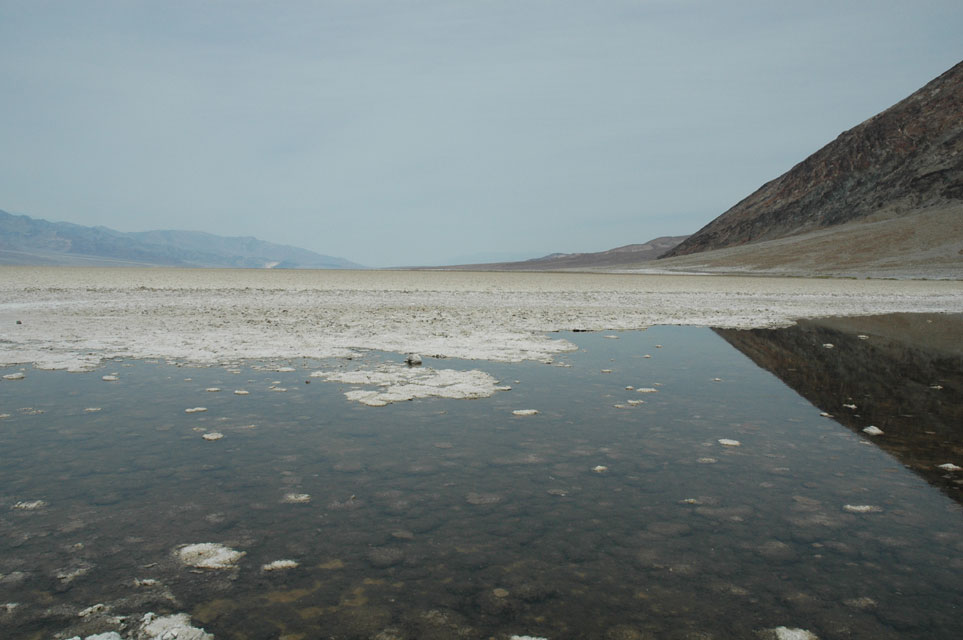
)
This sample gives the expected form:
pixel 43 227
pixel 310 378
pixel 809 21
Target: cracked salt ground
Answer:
pixel 504 530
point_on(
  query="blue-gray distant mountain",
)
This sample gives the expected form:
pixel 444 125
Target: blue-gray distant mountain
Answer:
pixel 625 257
pixel 30 241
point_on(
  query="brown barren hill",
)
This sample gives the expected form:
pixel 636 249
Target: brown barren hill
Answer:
pixel 902 162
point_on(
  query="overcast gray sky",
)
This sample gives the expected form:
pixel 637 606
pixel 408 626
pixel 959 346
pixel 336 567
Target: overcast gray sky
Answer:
pixel 391 132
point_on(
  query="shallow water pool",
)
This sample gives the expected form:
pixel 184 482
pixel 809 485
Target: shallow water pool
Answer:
pixel 668 487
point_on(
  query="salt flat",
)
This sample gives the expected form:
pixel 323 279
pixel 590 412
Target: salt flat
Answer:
pixel 74 318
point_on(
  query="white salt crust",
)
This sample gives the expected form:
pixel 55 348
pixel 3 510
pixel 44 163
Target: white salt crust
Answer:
pixel 75 318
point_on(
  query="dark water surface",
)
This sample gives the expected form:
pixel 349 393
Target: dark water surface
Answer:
pixel 454 518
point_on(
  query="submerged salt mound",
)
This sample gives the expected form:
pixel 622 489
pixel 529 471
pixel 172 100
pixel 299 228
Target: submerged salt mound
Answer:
pixel 209 555
pixel 785 633
pixel 399 383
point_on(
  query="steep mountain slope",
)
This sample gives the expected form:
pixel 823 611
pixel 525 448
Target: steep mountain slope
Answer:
pixel 902 161
pixel 627 256
pixel 26 240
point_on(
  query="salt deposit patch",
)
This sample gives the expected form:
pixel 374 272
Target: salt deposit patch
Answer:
pixel 862 508
pixel 280 565
pixel 398 383
pixel 209 555
pixel 29 505
pixel 170 627
pixel 786 633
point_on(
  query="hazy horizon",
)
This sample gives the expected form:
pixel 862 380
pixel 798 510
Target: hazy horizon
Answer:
pixel 396 134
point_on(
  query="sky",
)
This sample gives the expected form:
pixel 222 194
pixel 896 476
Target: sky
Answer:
pixel 393 132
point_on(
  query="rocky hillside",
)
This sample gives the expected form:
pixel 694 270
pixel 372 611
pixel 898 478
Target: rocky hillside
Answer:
pixel 903 161
pixel 26 240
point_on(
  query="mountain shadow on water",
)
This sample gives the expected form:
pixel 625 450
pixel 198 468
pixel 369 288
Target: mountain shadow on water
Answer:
pixel 903 373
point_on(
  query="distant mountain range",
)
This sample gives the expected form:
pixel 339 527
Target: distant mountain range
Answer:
pixel 884 199
pixel 613 258
pixel 26 240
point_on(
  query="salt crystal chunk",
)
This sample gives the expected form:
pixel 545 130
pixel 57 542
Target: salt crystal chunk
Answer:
pixel 30 505
pixel 862 508
pixel 525 412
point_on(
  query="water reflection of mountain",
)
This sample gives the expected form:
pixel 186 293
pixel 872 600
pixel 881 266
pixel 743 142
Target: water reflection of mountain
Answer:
pixel 903 373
